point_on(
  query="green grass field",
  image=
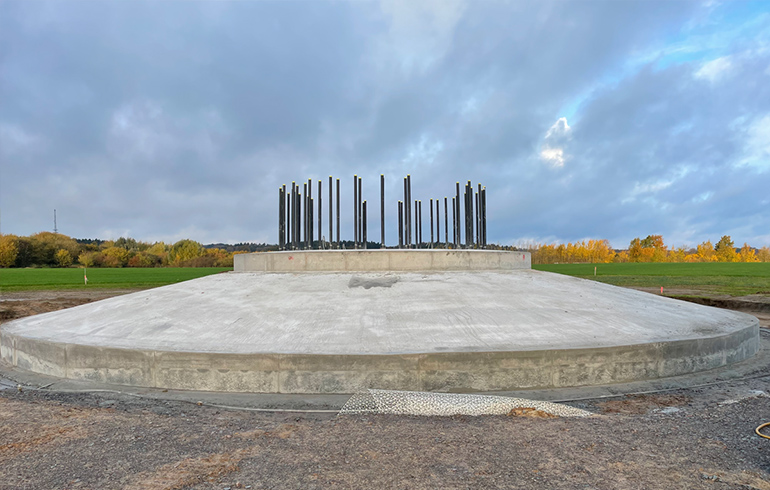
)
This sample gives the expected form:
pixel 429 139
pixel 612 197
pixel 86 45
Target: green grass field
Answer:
pixel 26 279
pixel 734 279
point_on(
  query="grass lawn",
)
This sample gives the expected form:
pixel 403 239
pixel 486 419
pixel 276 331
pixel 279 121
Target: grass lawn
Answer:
pixel 735 279
pixel 25 279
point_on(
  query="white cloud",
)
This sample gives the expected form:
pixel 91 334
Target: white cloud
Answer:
pixel 557 136
pixel 715 70
pixel 554 156
pixel 559 129
pixel 756 148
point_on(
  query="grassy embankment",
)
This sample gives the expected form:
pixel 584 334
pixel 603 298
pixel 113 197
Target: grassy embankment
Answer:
pixel 129 278
pixel 734 279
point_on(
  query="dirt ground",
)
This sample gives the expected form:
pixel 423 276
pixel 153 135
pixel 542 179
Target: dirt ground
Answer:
pixel 696 438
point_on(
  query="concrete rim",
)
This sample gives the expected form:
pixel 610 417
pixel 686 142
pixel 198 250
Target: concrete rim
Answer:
pixel 324 374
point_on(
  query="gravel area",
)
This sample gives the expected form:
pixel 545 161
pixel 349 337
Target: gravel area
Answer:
pixel 688 438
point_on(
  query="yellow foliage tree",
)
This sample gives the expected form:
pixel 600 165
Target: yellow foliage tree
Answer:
pixel 63 258
pixel 86 259
pixel 184 250
pixel 747 254
pixel 677 254
pixel 706 252
pixel 725 250
pixel 116 257
pixel 593 251
pixel 9 249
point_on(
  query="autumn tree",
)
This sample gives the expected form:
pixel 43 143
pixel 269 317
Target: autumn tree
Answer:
pixel 649 249
pixel 635 250
pixel 725 250
pixel 747 254
pixel 86 259
pixel 144 259
pixel 63 258
pixel 45 245
pixel 9 250
pixel 705 252
pixel 127 243
pixel 678 254
pixel 116 257
pixel 184 250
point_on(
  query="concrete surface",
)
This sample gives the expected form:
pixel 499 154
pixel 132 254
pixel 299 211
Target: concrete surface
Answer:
pixel 382 260
pixel 342 332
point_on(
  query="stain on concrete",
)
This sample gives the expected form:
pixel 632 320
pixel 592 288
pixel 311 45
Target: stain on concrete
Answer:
pixel 372 282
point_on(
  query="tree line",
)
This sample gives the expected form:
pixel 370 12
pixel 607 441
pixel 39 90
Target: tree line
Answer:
pixel 46 249
pixel 649 249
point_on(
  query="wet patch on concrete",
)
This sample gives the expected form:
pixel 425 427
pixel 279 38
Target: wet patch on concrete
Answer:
pixel 372 282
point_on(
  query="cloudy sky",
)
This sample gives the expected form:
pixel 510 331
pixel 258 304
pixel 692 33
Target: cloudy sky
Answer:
pixel 587 119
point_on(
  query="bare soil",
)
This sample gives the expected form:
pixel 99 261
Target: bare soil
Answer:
pixel 697 438
pixel 18 304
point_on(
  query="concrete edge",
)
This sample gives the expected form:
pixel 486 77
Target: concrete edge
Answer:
pixel 328 374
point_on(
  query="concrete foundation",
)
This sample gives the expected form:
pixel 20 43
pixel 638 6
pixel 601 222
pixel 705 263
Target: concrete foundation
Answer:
pixel 382 260
pixel 340 332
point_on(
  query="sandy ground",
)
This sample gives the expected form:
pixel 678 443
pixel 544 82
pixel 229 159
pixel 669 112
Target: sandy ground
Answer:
pixel 700 437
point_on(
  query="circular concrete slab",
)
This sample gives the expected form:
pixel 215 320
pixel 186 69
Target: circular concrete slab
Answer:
pixel 342 332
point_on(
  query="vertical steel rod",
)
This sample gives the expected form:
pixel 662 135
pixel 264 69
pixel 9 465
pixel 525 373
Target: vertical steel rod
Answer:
pixel 304 214
pixel 310 208
pixel 298 218
pixel 454 223
pixel 363 223
pixel 382 210
pixel 331 216
pixel 438 224
pixel 293 216
pixel 417 223
pixel 431 223
pixel 465 215
pixel 355 211
pixel 320 215
pixel 338 213
pixel 288 207
pixel 300 209
pixel 484 215
pixel 478 231
pixel 310 213
pixel 406 204
pixel 446 224
pixel 400 224
pixel 360 215
pixel 409 210
pixel 478 234
pixel 285 217
pixel 469 214
pixel 456 213
pixel 282 217
pixel 287 211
